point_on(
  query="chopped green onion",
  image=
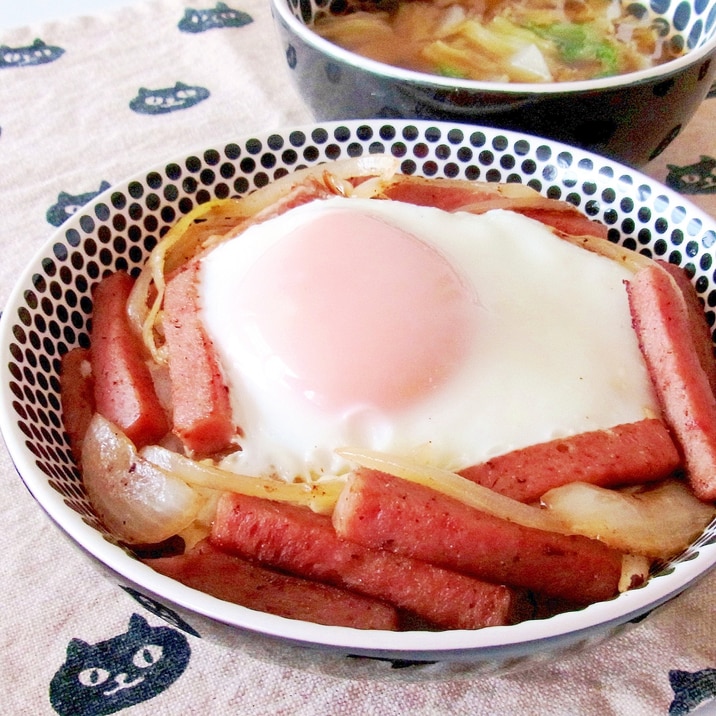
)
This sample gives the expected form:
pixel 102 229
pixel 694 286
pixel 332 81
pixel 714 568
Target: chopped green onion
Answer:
pixel 450 71
pixel 576 42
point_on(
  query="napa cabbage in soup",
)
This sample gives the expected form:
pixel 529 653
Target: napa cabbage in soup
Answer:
pixel 503 40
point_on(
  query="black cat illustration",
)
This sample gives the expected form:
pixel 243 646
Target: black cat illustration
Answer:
pixel 38 53
pixel 691 690
pixel 123 671
pixel 699 178
pixel 67 204
pixel 169 99
pixel 220 16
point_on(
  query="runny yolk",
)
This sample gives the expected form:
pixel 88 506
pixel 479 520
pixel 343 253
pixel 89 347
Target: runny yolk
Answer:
pixel 349 311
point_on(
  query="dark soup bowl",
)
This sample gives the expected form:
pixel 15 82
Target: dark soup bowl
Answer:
pixel 628 117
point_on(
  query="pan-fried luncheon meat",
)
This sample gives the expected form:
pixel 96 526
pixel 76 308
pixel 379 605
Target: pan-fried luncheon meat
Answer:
pixel 383 512
pixel 123 386
pixel 202 414
pixel 262 395
pixel 295 540
pixel 666 334
pixel 625 454
pixel 233 579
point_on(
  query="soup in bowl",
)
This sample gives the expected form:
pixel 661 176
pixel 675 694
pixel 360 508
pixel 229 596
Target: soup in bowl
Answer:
pixel 507 40
pixel 623 85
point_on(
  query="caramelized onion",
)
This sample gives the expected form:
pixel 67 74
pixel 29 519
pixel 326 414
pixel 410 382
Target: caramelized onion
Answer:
pixel 137 501
pixel 656 521
pixel 319 496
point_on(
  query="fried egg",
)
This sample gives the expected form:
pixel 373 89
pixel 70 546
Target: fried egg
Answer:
pixel 445 337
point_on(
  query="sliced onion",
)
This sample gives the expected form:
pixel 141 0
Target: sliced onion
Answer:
pixel 656 521
pixel 319 496
pixel 381 166
pixel 137 501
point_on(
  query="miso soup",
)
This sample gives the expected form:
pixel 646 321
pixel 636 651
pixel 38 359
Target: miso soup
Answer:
pixel 503 40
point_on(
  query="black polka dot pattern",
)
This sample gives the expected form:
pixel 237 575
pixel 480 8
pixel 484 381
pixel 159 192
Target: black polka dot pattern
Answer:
pixel 50 311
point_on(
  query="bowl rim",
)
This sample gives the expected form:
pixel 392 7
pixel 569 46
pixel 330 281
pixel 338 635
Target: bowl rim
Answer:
pixel 389 72
pixel 464 645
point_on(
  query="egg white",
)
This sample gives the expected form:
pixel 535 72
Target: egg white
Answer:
pixel 554 353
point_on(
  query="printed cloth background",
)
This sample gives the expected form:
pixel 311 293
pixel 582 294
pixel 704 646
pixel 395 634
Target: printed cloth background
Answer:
pixel 86 103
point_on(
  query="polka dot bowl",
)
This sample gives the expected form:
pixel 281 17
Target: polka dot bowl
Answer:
pixel 630 118
pixel 48 313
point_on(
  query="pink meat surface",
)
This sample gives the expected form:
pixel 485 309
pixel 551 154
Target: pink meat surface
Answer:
pixel 123 388
pixel 660 316
pixel 201 407
pixel 699 327
pixel 295 540
pixel 233 579
pixel 632 453
pixel 381 511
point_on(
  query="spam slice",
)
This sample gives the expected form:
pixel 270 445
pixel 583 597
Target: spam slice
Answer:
pixel 381 511
pixel 479 197
pixel 699 327
pixel 200 399
pixel 123 386
pixel 295 540
pixel 662 321
pixel 233 579
pixel 632 453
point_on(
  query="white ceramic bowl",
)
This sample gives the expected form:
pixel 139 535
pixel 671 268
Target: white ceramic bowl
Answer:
pixel 48 312
pixel 631 117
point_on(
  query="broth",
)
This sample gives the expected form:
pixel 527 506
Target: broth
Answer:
pixel 503 40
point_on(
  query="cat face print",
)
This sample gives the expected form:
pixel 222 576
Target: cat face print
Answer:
pixel 68 204
pixel 169 99
pixel 220 16
pixel 38 53
pixel 698 178
pixel 130 668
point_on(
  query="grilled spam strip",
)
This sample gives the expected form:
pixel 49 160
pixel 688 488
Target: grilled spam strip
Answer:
pixel 296 540
pixel 478 197
pixel 385 512
pixel 700 330
pixel 632 453
pixel 200 400
pixel 233 579
pixel 661 319
pixel 123 386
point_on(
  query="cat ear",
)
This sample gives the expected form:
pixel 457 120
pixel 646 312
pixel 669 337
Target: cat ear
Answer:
pixel 77 649
pixel 138 624
pixel 181 86
pixel 38 43
pixel 104 185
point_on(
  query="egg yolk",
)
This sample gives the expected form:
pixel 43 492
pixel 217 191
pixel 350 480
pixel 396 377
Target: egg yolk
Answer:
pixel 347 310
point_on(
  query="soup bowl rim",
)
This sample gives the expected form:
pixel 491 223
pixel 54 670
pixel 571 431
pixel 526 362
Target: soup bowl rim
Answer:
pixel 361 63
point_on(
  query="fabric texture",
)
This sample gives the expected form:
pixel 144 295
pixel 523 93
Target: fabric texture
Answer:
pixel 67 129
